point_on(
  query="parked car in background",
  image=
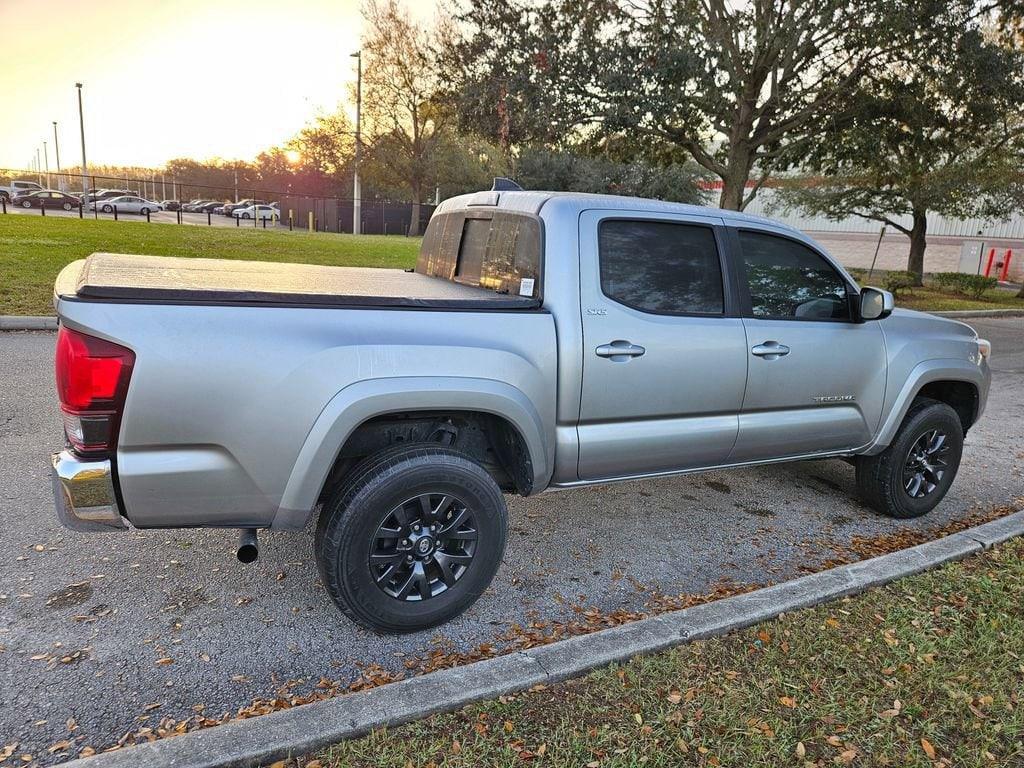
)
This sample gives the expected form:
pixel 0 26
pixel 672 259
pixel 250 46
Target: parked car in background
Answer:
pixel 171 205
pixel 17 187
pixel 190 206
pixel 46 198
pixel 544 340
pixel 209 206
pixel 106 194
pixel 257 212
pixel 126 204
pixel 229 209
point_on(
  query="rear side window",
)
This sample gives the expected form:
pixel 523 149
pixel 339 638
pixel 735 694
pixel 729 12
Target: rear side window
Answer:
pixel 661 267
pixel 788 280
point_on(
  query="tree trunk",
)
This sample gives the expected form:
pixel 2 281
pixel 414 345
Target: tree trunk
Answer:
pixel 918 241
pixel 735 178
pixel 414 218
pixel 733 187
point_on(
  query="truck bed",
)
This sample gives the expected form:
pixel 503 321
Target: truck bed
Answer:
pixel 173 280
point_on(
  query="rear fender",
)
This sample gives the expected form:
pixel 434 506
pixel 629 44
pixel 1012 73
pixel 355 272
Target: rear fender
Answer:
pixel 363 400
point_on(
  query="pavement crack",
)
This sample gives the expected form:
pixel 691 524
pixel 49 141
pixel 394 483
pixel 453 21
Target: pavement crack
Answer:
pixel 535 660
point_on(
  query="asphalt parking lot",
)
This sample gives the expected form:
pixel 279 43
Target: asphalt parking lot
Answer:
pixel 115 631
pixel 159 217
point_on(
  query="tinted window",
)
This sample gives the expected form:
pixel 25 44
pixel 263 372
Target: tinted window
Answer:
pixel 787 279
pixel 472 249
pixel 660 267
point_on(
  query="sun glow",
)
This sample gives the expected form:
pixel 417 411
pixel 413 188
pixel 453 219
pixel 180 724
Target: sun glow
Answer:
pixel 167 79
pixel 293 156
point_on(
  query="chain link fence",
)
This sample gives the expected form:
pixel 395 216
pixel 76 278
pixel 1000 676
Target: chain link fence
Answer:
pixel 183 201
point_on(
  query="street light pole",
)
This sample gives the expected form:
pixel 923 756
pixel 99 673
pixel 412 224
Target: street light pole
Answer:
pixel 56 151
pixel 39 168
pixel 46 164
pixel 81 128
pixel 356 196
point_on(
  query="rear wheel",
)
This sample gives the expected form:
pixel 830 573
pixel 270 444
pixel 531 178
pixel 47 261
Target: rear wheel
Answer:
pixel 910 477
pixel 26 204
pixel 411 539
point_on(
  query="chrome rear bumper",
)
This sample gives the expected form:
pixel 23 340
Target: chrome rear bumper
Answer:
pixel 83 492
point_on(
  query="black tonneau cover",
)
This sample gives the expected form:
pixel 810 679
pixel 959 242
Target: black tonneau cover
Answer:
pixel 122 277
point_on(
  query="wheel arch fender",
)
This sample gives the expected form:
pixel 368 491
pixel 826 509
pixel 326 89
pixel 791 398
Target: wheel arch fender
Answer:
pixel 924 373
pixel 363 400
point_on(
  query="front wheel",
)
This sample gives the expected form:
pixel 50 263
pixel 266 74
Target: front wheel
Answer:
pixel 411 539
pixel 66 206
pixel 245 215
pixel 108 208
pixel 910 477
pixel 143 211
pixel 27 204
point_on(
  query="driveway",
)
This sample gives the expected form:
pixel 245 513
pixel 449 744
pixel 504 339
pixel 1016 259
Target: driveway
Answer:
pixel 117 631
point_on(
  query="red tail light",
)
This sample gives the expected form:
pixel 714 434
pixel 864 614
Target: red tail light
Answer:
pixel 92 381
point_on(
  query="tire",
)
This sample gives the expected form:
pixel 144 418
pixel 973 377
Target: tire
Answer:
pixel 398 595
pixel 26 204
pixel 245 215
pixel 894 482
pixel 108 208
pixel 143 211
pixel 66 206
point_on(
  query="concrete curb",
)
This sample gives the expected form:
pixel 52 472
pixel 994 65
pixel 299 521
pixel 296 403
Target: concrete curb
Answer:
pixel 261 740
pixel 962 313
pixel 27 323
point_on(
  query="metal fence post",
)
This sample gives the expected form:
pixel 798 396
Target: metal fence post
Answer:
pixel 81 210
pixel 115 213
pixel 147 215
pixel 237 220
pixel 3 203
pixel 42 208
pixel 209 220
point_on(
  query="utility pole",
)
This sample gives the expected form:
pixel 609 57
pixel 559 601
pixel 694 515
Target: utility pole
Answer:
pixel 56 151
pixel 46 164
pixel 39 169
pixel 356 196
pixel 81 128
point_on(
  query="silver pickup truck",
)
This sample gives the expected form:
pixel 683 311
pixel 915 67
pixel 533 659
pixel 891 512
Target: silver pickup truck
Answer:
pixel 543 341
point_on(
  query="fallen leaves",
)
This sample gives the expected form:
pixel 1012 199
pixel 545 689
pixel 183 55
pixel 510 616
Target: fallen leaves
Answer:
pixel 928 748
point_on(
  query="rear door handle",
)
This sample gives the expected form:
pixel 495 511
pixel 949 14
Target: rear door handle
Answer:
pixel 620 351
pixel 770 350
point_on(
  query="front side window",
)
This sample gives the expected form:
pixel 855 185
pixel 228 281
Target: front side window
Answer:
pixel 661 267
pixel 788 280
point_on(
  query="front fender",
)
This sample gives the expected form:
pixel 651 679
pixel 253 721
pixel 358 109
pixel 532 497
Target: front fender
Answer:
pixel 363 400
pixel 943 369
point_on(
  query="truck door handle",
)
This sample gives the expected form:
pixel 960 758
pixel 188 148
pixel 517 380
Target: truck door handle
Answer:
pixel 770 350
pixel 619 350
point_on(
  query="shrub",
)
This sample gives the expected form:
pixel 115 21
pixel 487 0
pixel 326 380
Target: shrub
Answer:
pixel 896 282
pixel 969 285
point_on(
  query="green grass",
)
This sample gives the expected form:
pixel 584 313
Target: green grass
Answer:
pixel 33 250
pixel 927 669
pixel 933 300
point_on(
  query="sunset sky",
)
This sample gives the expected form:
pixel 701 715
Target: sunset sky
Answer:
pixel 170 78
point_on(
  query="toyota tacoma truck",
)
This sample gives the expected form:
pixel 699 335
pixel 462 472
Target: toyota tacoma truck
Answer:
pixel 544 341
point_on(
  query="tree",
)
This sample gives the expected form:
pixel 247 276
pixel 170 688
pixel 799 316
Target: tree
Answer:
pixel 326 149
pixel 406 130
pixel 560 170
pixel 741 87
pixel 941 134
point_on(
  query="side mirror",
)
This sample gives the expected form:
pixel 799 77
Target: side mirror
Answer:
pixel 875 304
